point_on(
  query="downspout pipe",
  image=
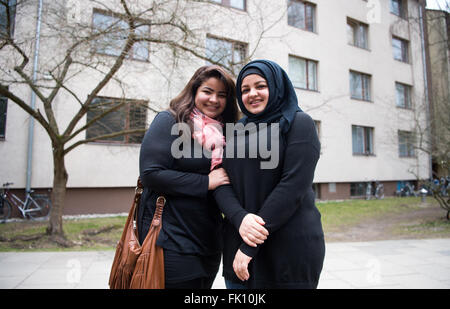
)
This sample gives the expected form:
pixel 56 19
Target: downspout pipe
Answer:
pixel 33 100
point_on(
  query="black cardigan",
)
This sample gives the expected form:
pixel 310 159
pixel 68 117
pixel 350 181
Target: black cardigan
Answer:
pixel 192 223
pixel 292 256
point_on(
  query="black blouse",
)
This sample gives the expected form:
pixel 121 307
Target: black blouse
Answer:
pixel 292 255
pixel 192 222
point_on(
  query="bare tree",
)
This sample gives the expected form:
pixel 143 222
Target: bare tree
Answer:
pixel 432 136
pixel 98 47
pixel 438 48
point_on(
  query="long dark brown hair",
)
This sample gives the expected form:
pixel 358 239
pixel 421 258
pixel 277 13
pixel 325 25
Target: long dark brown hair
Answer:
pixel 183 104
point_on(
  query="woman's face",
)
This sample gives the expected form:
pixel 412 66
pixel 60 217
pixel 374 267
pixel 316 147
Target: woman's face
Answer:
pixel 211 97
pixel 255 93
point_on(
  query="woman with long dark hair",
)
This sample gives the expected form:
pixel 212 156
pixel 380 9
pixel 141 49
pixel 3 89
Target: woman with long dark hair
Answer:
pixel 273 231
pixel 191 234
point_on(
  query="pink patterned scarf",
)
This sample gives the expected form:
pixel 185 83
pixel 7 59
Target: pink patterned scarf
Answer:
pixel 209 133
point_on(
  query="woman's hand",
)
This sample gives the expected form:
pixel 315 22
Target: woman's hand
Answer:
pixel 240 265
pixel 217 178
pixel 252 231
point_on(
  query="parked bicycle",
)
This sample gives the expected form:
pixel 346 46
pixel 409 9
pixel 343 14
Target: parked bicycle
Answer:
pixel 407 189
pixel 377 192
pixel 34 205
pixel 369 191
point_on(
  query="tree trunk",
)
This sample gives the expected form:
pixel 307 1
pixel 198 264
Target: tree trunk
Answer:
pixel 55 227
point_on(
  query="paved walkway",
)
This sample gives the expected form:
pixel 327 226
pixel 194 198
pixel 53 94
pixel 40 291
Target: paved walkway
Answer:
pixel 392 264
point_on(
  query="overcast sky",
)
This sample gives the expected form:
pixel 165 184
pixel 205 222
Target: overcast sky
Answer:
pixel 438 4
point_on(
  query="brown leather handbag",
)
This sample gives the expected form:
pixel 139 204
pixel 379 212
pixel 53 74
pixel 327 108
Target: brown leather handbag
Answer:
pixel 138 266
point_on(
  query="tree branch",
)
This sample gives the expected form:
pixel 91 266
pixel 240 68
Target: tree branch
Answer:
pixel 102 137
pixel 33 113
pixel 118 63
pixel 60 79
pixel 102 115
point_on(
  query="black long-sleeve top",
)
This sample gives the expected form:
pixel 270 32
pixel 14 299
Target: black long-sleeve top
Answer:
pixel 192 223
pixel 292 256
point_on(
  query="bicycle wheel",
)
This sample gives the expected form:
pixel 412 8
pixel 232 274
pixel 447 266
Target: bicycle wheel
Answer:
pixel 38 207
pixel 5 210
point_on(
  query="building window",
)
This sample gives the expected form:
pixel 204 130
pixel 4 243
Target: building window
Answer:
pixel 7 7
pixel 301 14
pixel 230 54
pixel 403 95
pixel 303 73
pixel 3 110
pixel 357 33
pixel 362 138
pixel 406 141
pixel 132 115
pixel 332 187
pixel 237 4
pixel 400 49
pixel 398 7
pixel 115 32
pixel 358 188
pixel 360 86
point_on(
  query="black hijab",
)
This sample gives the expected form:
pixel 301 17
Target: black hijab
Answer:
pixel 282 104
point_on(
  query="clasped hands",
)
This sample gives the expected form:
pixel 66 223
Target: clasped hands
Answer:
pixel 253 233
pixel 251 229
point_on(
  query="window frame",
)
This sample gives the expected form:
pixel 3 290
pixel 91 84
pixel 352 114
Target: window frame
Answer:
pixel 308 79
pixel 403 9
pixel 126 138
pixel 12 22
pixel 409 143
pixel 358 189
pixel 371 143
pixel 121 17
pixel 363 89
pixel 355 24
pixel 234 43
pixel 404 46
pixel 407 90
pixel 227 3
pixel 306 4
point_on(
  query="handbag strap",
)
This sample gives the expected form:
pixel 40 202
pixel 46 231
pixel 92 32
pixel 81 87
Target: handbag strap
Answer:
pixel 137 201
pixel 160 202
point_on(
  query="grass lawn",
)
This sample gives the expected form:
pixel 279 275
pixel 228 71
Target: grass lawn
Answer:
pixel 336 215
pixel 85 234
pixel 390 218
pixel 349 220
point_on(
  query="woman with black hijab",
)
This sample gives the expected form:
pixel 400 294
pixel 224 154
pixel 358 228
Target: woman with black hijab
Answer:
pixel 273 233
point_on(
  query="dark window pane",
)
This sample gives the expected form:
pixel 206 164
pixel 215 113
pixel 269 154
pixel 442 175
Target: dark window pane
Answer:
pixel 4 17
pixel 130 116
pixel 110 123
pixel 138 119
pixel 3 110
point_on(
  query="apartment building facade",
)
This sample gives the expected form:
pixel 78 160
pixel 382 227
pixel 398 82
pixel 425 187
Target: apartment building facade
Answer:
pixel 357 67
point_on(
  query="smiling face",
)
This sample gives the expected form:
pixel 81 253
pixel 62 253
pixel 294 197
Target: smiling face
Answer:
pixel 255 93
pixel 211 97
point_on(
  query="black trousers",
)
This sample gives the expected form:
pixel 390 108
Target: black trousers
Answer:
pixel 178 267
pixel 199 283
